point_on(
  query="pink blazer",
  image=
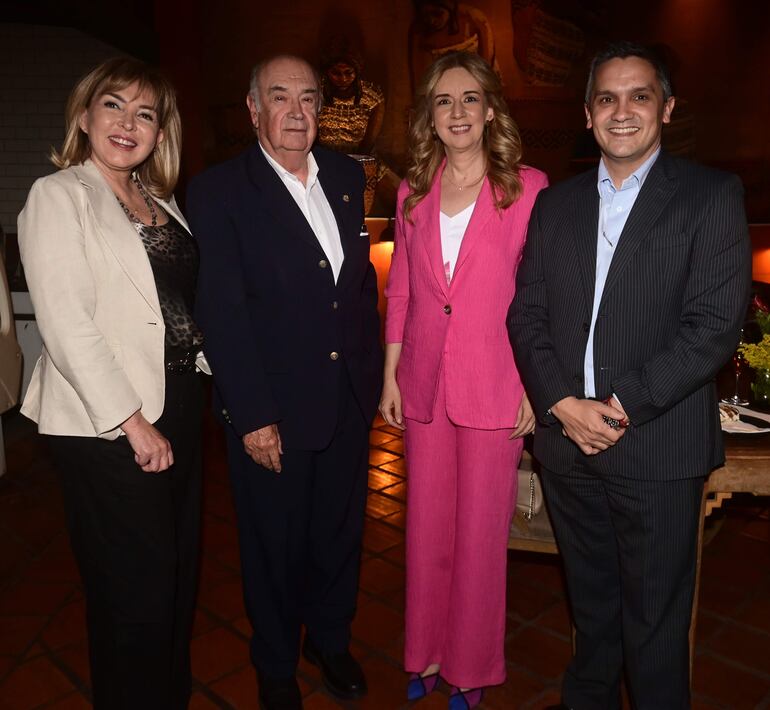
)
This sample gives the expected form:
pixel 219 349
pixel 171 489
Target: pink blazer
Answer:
pixel 459 327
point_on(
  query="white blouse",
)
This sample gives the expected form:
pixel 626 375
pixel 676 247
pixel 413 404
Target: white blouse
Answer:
pixel 452 233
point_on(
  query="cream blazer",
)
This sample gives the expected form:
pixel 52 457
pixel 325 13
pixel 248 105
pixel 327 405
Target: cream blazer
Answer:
pixel 96 305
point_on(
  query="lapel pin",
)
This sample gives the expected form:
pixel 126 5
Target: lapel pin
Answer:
pixel 346 198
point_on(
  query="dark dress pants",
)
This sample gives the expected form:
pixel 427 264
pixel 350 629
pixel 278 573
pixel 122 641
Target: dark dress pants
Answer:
pixel 300 540
pixel 629 549
pixel 135 537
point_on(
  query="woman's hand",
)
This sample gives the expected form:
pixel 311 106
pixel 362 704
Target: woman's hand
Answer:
pixel 525 420
pixel 390 403
pixel 152 450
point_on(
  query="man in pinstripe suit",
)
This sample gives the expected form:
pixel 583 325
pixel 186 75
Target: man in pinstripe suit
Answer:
pixel 630 296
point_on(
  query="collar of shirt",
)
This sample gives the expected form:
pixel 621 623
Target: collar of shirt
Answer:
pixel 285 175
pixel 634 180
pixel 315 207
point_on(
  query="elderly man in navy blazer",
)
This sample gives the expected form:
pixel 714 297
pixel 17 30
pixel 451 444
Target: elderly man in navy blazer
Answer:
pixel 287 299
pixel 630 297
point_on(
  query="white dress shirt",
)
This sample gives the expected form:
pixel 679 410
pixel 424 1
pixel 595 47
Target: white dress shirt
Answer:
pixel 310 198
pixel 614 207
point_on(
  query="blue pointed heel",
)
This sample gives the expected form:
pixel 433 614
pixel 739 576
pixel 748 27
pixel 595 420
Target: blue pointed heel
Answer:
pixel 419 686
pixel 465 699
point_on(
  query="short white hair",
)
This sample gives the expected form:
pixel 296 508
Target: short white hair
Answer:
pixel 259 67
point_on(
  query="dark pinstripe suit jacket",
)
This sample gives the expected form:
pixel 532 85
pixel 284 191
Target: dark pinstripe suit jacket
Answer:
pixel 669 318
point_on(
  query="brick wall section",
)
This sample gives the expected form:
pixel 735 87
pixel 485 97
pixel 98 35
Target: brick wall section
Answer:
pixel 38 68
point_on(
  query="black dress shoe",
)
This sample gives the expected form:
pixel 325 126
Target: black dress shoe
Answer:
pixel 341 673
pixel 279 693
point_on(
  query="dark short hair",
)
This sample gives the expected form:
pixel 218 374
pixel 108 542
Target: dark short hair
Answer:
pixel 624 49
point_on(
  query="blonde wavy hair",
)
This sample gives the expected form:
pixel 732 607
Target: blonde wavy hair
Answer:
pixel 159 172
pixel 502 142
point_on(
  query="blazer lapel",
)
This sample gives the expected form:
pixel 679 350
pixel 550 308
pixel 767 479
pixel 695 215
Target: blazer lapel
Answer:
pixel 119 234
pixel 657 190
pixel 337 195
pixel 483 211
pixel 277 198
pixel 586 209
pixel 427 212
pixel 172 208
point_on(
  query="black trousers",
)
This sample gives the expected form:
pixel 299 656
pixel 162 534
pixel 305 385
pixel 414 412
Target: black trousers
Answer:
pixel 135 537
pixel 300 540
pixel 629 549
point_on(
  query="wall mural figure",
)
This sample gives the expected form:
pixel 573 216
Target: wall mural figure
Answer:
pixel 353 108
pixel 351 120
pixel 550 39
pixel 442 26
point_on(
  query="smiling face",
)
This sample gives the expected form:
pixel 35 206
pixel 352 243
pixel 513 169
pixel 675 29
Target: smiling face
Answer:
pixel 122 128
pixel 627 113
pixel 286 118
pixel 460 110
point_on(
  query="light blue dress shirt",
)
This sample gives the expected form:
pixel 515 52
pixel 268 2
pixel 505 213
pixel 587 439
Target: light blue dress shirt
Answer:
pixel 614 207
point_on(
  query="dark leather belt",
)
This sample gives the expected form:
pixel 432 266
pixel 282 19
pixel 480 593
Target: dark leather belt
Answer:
pixel 180 361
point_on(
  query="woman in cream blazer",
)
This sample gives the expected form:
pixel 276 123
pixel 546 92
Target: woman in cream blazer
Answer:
pixel 111 269
pixel 96 304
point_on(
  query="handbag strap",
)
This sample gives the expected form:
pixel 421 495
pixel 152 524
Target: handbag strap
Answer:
pixel 531 512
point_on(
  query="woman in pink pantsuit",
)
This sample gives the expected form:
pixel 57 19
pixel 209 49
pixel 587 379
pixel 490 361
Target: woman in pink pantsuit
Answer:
pixel 450 378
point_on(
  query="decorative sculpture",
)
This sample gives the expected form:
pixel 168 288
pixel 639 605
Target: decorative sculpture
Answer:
pixel 442 26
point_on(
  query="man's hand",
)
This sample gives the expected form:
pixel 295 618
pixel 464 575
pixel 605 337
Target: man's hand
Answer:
pixel 264 447
pixel 581 421
pixel 152 450
pixel 615 402
pixel 525 420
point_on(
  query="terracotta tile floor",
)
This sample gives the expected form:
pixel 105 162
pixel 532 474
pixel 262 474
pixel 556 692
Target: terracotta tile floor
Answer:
pixel 43 649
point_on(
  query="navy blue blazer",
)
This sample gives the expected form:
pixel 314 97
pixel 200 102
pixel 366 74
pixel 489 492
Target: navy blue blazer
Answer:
pixel 279 333
pixel 669 317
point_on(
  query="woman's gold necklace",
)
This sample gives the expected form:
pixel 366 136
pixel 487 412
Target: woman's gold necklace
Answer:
pixel 470 184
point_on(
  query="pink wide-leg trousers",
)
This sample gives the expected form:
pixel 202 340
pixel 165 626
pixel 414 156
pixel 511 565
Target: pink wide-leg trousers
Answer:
pixel 461 488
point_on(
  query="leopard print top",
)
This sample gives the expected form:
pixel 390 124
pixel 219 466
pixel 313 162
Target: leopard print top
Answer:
pixel 173 256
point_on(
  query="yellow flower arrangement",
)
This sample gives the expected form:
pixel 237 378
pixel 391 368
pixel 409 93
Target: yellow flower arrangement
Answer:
pixel 757 354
